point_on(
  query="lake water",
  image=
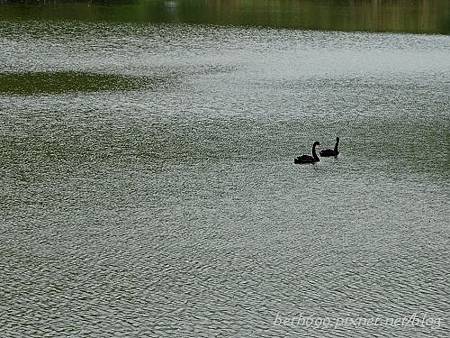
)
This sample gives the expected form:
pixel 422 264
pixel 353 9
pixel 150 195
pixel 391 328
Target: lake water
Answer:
pixel 148 186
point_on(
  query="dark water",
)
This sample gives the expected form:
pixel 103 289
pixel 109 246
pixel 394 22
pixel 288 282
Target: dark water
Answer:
pixel 148 189
pixel 414 16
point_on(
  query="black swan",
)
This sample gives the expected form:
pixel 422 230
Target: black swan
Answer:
pixel 305 159
pixel 331 152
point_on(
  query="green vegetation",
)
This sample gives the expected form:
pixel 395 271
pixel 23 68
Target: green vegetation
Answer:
pixel 414 16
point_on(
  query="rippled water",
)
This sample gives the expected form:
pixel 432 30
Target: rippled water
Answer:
pixel 175 208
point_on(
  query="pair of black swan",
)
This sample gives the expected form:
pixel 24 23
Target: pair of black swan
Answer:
pixel 305 159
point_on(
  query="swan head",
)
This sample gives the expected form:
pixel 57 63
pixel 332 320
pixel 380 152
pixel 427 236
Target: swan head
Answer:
pixel 317 143
pixel 337 139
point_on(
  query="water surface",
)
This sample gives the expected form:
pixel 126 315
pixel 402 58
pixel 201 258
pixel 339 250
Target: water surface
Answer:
pixel 173 207
pixel 414 16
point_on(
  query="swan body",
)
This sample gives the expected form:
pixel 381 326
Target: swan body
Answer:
pixel 331 152
pixel 305 159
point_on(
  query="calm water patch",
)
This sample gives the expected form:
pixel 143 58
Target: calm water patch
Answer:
pixel 61 82
pixel 414 16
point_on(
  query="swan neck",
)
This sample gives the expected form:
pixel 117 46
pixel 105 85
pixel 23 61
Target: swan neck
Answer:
pixel 314 152
pixel 336 146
